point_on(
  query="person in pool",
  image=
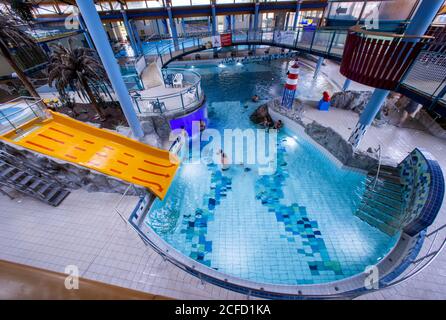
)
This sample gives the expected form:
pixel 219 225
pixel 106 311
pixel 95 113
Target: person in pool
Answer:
pixel 223 160
pixel 255 98
pixel 202 125
pixel 278 124
pixel 265 123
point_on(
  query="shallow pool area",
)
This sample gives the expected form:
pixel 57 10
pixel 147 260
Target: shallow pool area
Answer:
pixel 296 226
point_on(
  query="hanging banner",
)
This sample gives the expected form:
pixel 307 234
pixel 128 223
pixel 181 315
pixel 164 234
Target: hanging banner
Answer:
pixel 226 39
pixel 216 42
pixel 285 37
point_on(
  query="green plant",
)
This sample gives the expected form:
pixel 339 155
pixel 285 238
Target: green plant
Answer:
pixel 13 37
pixel 23 9
pixel 78 69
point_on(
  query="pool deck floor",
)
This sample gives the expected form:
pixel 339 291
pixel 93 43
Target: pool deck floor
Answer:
pixel 86 231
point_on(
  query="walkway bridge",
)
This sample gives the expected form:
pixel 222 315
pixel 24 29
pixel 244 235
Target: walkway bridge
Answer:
pixel 413 66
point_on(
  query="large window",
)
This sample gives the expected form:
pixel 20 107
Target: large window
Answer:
pixel 200 2
pixel 180 3
pixel 388 10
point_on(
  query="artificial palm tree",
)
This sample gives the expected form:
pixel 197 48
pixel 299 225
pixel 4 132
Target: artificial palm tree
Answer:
pixel 78 69
pixel 11 36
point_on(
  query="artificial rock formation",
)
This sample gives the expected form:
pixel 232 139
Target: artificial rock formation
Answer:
pixel 67 174
pixel 259 115
pixel 325 136
pixel 356 101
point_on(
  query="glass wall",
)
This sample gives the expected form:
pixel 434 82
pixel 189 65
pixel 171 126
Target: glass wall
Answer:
pixel 388 13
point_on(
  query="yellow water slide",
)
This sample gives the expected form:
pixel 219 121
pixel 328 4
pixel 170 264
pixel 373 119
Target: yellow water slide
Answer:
pixel 110 153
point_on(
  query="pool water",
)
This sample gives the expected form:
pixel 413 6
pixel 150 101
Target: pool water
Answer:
pixel 296 226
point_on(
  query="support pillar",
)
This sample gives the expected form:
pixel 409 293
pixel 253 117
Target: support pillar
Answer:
pixel 318 67
pixel 347 84
pixel 214 20
pixel 228 24
pixel 296 16
pixel 94 25
pixel 256 23
pixel 173 27
pixel 420 23
pixel 183 27
pixel 158 27
pixel 422 19
pixel 137 37
pixel 256 16
pixel 129 31
pixel 287 21
pixel 166 28
pixel 368 115
pixel 84 29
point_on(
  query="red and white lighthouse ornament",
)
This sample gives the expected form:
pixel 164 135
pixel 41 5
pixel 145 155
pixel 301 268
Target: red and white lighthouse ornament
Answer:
pixel 291 85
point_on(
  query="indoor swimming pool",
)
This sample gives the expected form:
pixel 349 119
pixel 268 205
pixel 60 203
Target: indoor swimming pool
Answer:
pixel 296 226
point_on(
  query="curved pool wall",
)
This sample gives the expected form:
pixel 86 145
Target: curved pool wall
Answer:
pixel 401 256
pixel 186 122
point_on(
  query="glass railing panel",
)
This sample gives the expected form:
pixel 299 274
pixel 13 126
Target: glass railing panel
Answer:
pixel 305 37
pixel 321 40
pixel 338 43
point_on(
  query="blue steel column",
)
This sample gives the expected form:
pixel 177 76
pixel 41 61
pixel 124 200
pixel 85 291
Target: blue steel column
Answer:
pixel 228 23
pixel 183 26
pixel 422 19
pixel 427 10
pixel 137 37
pixel 166 28
pixel 367 116
pixel 318 67
pixel 347 84
pixel 94 25
pixel 129 31
pixel 256 16
pixel 84 29
pixel 173 27
pixel 214 20
pixel 296 16
pixel 256 23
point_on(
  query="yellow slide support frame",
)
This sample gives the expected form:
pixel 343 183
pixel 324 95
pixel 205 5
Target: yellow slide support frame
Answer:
pixel 107 152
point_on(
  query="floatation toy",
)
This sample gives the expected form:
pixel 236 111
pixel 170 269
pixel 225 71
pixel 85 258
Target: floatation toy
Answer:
pixel 324 103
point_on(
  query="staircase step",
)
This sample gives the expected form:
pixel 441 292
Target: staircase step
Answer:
pixel 382 206
pixel 52 193
pixel 35 184
pixel 386 193
pixel 59 197
pixel 26 180
pixel 383 199
pixel 7 171
pixel 44 188
pixel 17 176
pixel 398 194
pixel 388 183
pixel 376 223
pixel 386 169
pixel 391 220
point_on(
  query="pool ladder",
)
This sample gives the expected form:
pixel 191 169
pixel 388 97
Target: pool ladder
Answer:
pixel 382 202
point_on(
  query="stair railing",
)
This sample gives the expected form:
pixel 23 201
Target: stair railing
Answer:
pixel 379 168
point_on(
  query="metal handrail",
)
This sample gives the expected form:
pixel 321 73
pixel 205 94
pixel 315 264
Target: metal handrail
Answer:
pixel 360 29
pixel 379 167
